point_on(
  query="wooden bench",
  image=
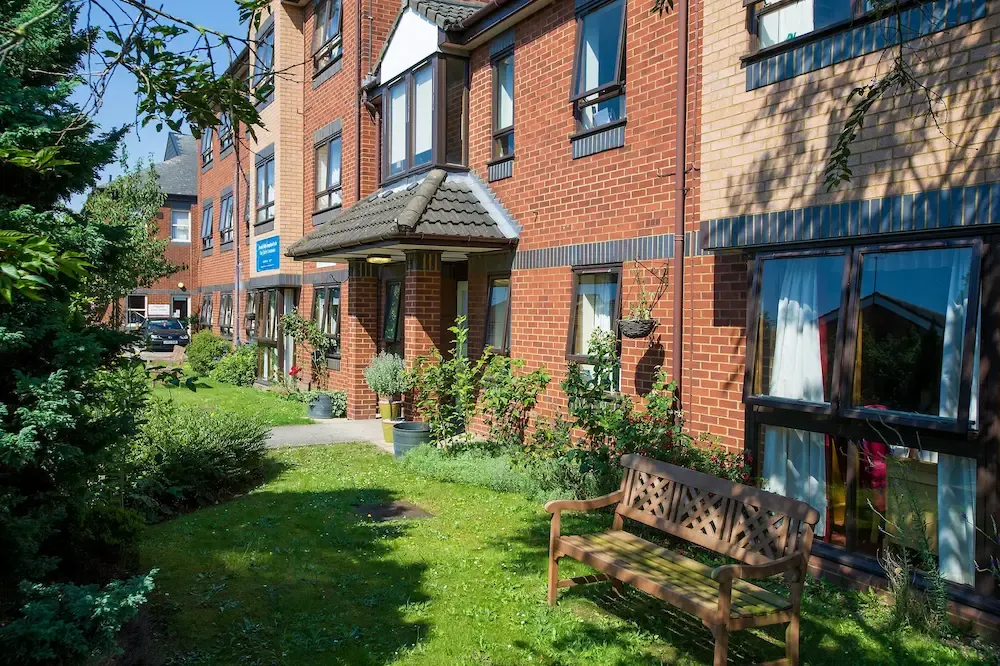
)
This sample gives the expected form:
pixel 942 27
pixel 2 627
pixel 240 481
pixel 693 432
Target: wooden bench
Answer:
pixel 769 533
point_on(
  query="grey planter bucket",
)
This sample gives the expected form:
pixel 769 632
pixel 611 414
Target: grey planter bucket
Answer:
pixel 321 407
pixel 407 436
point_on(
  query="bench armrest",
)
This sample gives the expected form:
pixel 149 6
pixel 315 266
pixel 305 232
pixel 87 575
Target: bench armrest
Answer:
pixel 556 506
pixel 729 572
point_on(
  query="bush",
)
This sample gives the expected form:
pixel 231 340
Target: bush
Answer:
pixel 187 457
pixel 205 351
pixel 386 375
pixel 508 398
pixel 238 368
pixel 338 400
pixel 103 543
pixel 69 624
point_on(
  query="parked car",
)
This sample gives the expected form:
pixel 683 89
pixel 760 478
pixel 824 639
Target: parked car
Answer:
pixel 163 334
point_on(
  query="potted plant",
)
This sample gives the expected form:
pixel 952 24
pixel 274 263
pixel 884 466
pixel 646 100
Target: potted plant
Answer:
pixel 639 322
pixel 386 376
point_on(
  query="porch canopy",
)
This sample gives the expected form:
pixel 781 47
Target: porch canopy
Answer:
pixel 451 212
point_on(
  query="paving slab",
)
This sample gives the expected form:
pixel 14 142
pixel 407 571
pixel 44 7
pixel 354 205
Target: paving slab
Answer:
pixel 328 431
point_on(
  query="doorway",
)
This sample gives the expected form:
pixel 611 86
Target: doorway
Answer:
pixel 179 307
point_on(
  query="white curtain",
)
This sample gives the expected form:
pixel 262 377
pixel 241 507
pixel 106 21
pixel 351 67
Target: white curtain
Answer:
pixel 956 492
pixel 785 23
pixel 397 131
pixel 795 460
pixel 505 90
pixel 597 296
pixel 423 93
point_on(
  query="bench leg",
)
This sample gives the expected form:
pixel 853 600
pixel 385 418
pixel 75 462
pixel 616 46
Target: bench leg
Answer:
pixel 721 645
pixel 792 642
pixel 553 580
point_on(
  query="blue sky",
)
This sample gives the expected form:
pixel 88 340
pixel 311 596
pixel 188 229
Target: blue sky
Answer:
pixel 119 101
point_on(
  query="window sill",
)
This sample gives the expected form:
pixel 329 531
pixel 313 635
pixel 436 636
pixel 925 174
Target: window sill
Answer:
pixel 323 75
pixel 263 227
pixel 598 139
pixel 207 251
pixel 225 152
pixel 583 134
pixel 179 242
pixel 226 247
pixel 207 166
pixel 500 169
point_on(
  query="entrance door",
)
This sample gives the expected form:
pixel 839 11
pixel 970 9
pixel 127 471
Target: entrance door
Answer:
pixel 179 307
pixel 462 310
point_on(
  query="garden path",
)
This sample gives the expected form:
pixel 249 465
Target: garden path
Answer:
pixel 328 431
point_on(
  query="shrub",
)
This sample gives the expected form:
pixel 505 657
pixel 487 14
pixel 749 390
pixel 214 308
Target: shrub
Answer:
pixel 205 351
pixel 187 457
pixel 508 397
pixel 68 624
pixel 103 543
pixel 338 400
pixel 238 368
pixel 386 375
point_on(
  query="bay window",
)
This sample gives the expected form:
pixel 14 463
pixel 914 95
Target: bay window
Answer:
pixel 598 68
pixel 503 106
pixel 326 314
pixel 862 384
pixel 423 115
pixel 498 315
pixel 265 190
pixel 226 220
pixel 327 44
pixel 328 188
pixel 397 122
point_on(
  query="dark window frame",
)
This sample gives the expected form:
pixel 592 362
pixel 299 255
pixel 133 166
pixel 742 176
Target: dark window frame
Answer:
pixel 330 190
pixel 398 333
pixel 207 140
pixel 491 279
pixel 225 132
pixel 226 314
pixel 226 214
pixel 264 76
pixel 604 92
pixel 332 47
pixel 613 269
pixel 327 290
pixel 207 227
pixel 499 134
pixel 205 315
pixel 859 16
pixel 262 191
pixel 250 314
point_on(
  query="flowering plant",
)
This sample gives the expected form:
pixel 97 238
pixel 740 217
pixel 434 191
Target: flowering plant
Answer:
pixel 294 372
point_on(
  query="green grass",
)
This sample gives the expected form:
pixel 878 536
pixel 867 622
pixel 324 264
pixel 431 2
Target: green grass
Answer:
pixel 291 574
pixel 240 399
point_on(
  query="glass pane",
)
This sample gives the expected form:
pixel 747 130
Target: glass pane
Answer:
pixel 800 18
pixel 333 178
pixel 496 316
pixel 599 47
pixel 397 129
pixel 505 92
pixel 180 226
pixel 322 11
pixel 799 309
pixel 602 113
pixel 391 330
pixel 270 181
pixel 322 165
pixel 333 313
pixel 503 146
pixel 261 184
pixel 454 138
pixel 333 20
pixel 423 115
pixel 911 330
pixel 794 464
pixel 319 308
pixel 596 306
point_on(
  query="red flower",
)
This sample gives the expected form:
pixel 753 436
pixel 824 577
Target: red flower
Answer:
pixel 294 371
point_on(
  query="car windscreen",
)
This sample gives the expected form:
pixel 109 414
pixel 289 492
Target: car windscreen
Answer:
pixel 165 324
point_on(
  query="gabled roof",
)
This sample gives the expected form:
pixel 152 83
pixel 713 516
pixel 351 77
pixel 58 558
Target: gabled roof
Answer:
pixel 178 172
pixel 440 205
pixel 447 14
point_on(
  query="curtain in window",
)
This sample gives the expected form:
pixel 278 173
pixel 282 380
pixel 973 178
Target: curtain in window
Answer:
pixel 794 462
pixel 505 92
pixel 322 166
pixel 596 299
pixel 423 115
pixel 397 129
pixel 785 23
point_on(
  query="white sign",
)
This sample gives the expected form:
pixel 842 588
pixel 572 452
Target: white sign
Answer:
pixel 158 310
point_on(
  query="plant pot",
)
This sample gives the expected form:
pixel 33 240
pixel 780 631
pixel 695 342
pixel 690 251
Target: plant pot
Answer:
pixel 321 407
pixel 390 411
pixel 387 429
pixel 636 328
pixel 408 435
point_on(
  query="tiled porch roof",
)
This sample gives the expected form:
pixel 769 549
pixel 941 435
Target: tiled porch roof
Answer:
pixel 439 206
pixel 446 14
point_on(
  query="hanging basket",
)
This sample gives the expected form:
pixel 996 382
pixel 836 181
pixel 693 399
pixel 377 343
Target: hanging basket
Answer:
pixel 636 328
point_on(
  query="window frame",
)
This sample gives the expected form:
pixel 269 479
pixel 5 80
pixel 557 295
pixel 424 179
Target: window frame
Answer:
pixel 173 212
pixel 226 314
pixel 207 227
pixel 207 141
pixel 226 219
pixel 330 44
pixel 497 132
pixel 839 413
pixel 858 17
pixel 205 315
pixel 225 132
pixel 250 308
pixel 327 290
pixel 264 76
pixel 601 93
pixel 491 279
pixel 399 316
pixel 613 269
pixel 326 144
pixel 262 191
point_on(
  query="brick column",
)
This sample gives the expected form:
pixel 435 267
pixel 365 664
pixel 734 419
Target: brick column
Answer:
pixel 359 336
pixel 422 304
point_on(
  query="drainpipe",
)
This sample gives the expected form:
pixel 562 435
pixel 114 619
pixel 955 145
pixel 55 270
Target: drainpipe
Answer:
pixel 237 241
pixel 357 124
pixel 680 165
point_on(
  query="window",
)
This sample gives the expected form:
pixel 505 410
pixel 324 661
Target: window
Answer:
pixel 135 311
pixel 180 226
pixel 327 46
pixel 503 106
pixel 225 132
pixel 265 191
pixel 598 89
pixel 250 314
pixel 206 228
pixel 226 314
pixel 226 220
pixel 498 315
pixel 780 20
pixel 326 314
pixel 206 145
pixel 246 218
pixel 267 329
pixel 328 192
pixel 205 318
pixel 391 324
pixel 595 308
pixel 263 81
pixel 425 117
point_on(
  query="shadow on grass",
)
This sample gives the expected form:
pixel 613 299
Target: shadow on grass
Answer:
pixel 286 577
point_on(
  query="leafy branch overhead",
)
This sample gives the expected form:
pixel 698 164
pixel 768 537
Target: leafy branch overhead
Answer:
pixel 28 262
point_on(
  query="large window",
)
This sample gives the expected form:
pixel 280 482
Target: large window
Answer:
pixel 498 315
pixel 135 311
pixel 328 189
pixel 226 220
pixel 392 324
pixel 862 376
pixel 599 69
pixel 263 80
pixel 327 46
pixel 206 145
pixel 206 228
pixel 226 314
pixel 423 115
pixel 265 190
pixel 326 314
pixel 596 307
pixel 503 106
pixel 781 20
pixel 205 318
pixel 180 226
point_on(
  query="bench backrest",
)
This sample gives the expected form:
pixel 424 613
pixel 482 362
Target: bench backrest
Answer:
pixel 742 522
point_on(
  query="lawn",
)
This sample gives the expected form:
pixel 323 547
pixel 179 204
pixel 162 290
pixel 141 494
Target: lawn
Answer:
pixel 240 399
pixel 292 574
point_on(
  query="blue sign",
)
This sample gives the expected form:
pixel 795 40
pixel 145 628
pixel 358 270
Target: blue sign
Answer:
pixel 268 253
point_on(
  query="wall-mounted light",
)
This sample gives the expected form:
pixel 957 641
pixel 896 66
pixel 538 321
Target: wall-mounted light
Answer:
pixel 379 259
pixel 180 285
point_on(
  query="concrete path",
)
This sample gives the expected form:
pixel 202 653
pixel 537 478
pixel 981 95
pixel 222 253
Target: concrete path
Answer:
pixel 328 431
